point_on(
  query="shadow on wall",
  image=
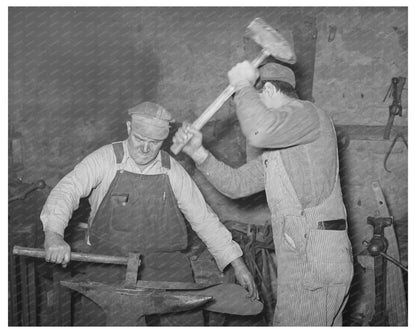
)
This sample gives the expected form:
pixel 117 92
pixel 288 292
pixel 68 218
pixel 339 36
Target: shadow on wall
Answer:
pixel 147 74
pixel 73 75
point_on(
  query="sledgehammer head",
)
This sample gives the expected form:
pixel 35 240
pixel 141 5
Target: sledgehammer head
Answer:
pixel 270 40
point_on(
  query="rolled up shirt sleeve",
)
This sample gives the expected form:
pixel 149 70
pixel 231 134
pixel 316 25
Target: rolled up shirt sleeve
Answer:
pixel 202 219
pixel 292 124
pixel 64 197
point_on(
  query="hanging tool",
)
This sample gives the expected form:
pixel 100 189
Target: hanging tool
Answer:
pixel 272 43
pixel 394 91
pixel 128 303
pixel 398 135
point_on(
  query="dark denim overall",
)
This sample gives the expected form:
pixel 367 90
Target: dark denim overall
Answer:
pixel 140 214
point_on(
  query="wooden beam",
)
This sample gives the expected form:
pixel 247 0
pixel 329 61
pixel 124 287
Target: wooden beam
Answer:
pixel 369 133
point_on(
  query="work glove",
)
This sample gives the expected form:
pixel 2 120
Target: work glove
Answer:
pixel 242 75
pixel 56 249
pixel 194 147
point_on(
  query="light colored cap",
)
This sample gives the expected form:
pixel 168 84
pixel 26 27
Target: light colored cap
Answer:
pixel 150 120
pixel 274 71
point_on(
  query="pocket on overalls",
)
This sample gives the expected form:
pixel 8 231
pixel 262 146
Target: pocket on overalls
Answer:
pixel 294 234
pixel 119 202
pixel 328 259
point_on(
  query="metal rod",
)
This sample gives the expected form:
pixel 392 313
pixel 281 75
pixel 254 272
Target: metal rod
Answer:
pixel 75 256
pixel 380 315
pixel 389 125
pixel 394 261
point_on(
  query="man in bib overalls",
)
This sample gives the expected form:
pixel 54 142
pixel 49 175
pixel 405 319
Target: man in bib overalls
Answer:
pixel 293 157
pixel 138 194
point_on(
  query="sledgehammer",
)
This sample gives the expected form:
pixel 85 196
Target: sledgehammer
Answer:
pixel 272 43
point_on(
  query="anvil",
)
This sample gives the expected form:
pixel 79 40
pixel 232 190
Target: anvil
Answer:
pixel 128 306
pixel 127 303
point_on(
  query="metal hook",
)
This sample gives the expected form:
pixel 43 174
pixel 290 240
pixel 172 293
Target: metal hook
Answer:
pixel 399 135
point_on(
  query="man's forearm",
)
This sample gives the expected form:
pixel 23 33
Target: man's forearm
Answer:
pixel 234 183
pixel 238 263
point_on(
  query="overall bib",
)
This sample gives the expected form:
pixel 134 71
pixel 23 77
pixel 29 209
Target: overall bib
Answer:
pixel 314 265
pixel 139 213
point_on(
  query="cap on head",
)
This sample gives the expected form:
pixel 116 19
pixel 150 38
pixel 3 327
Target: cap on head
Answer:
pixel 274 71
pixel 151 120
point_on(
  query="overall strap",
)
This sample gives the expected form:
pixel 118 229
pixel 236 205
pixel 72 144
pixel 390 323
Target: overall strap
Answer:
pixel 118 151
pixel 165 158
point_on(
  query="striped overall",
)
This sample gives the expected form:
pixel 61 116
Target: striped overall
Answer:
pixel 314 266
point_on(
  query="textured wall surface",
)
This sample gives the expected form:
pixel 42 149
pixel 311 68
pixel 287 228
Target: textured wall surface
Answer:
pixel 74 71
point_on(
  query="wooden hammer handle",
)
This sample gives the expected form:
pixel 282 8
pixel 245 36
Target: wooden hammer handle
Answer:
pixel 75 256
pixel 216 105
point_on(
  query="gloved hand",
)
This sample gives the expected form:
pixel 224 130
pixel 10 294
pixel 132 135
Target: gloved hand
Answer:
pixel 194 146
pixel 242 75
pixel 244 278
pixel 56 249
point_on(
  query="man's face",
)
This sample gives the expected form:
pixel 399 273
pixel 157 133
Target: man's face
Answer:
pixel 142 149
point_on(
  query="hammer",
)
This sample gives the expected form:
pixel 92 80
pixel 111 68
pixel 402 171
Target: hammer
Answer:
pixel 272 43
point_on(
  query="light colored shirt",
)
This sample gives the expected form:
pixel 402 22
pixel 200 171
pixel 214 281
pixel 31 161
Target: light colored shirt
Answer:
pixel 93 176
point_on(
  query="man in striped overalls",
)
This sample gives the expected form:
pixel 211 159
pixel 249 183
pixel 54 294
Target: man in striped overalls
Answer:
pixel 293 156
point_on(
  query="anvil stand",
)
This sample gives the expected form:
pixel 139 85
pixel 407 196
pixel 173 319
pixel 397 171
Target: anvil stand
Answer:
pixel 377 247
